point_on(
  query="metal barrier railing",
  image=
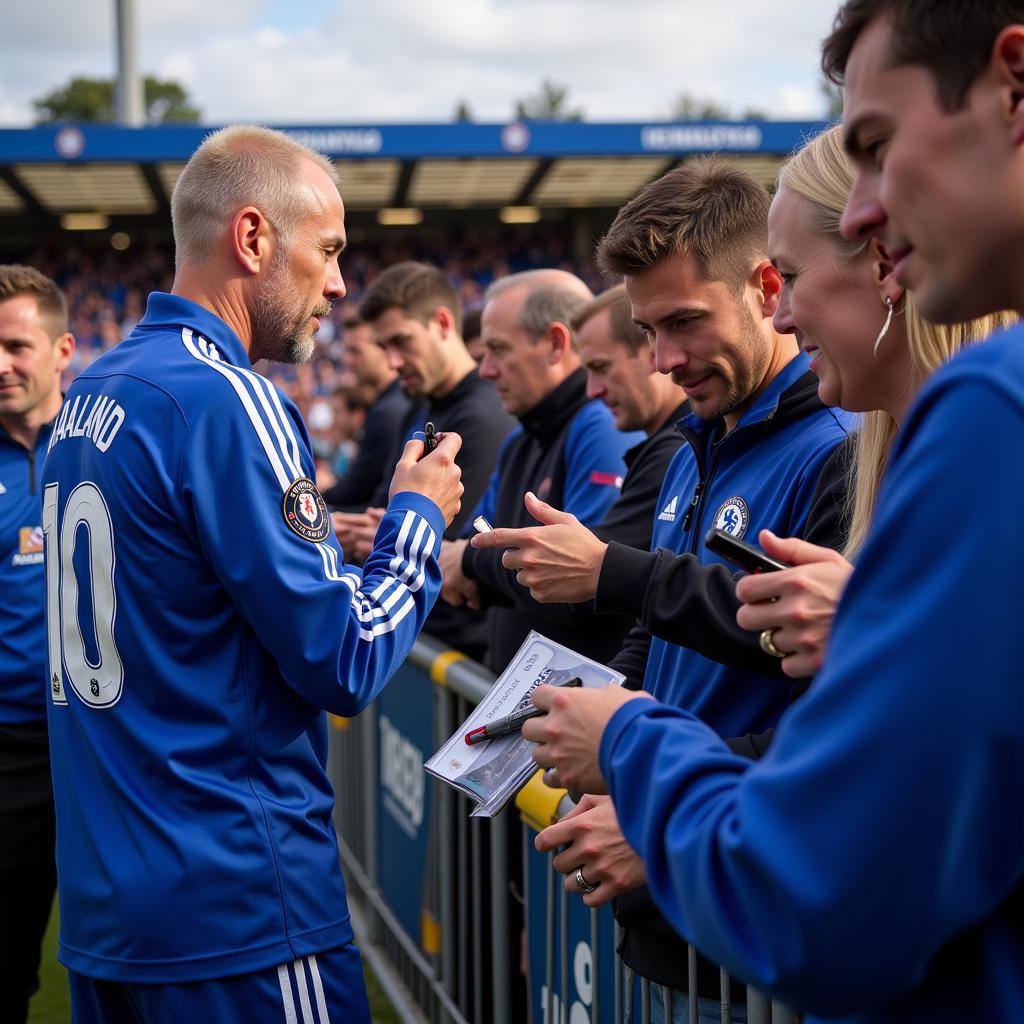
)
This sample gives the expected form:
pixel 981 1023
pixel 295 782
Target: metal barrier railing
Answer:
pixel 436 897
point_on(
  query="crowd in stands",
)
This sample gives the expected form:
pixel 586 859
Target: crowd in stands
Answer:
pixel 106 293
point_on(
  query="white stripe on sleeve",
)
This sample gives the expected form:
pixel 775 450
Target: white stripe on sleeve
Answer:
pixel 230 375
pixel 285 420
pixel 291 458
pixel 279 419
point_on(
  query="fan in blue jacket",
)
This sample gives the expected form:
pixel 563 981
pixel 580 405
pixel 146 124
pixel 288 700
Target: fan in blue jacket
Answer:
pixel 567 450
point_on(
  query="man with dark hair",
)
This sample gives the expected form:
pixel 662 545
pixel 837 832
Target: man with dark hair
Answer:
pixel 941 57
pixel 871 869
pixel 366 365
pixel 619 362
pixel 760 451
pixel 471 324
pixel 35 348
pixel 416 320
pixel 714 219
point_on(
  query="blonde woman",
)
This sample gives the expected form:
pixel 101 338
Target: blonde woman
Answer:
pixel 871 351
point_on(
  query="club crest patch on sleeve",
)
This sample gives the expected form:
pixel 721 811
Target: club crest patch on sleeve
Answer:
pixel 305 511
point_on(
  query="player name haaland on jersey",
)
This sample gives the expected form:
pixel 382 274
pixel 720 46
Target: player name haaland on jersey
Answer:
pixel 200 618
pixel 98 419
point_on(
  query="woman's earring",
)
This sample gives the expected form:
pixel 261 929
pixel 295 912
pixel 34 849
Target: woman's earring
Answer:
pixel 885 326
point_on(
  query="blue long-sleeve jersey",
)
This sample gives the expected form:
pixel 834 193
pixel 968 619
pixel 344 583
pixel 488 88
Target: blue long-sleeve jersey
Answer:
pixel 22 590
pixel 763 474
pixel 871 867
pixel 200 617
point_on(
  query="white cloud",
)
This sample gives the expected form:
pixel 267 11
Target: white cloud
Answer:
pixel 798 101
pixel 404 60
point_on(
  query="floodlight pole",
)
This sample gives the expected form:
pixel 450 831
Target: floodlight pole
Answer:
pixel 128 106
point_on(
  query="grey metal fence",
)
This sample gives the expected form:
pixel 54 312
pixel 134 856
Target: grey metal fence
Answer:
pixel 463 964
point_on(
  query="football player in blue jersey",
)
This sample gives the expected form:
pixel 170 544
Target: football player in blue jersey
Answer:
pixel 201 617
pixel 35 348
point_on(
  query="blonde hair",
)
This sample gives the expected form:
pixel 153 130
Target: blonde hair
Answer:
pixel 821 174
pixel 235 167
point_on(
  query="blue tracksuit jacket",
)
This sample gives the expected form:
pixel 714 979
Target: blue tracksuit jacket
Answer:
pixel 200 617
pixel 22 590
pixel 763 473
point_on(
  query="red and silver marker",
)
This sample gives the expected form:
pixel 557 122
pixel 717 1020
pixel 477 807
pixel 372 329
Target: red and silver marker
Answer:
pixel 512 722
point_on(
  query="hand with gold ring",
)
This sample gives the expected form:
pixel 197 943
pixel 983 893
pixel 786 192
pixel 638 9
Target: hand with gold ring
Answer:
pixel 767 644
pixel 792 610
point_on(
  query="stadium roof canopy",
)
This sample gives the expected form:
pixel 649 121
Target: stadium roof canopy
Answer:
pixel 51 172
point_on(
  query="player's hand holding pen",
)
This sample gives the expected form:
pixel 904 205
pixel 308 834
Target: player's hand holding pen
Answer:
pixel 435 476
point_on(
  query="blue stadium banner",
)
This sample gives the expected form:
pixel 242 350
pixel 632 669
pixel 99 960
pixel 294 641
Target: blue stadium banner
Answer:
pixel 99 143
pixel 404 742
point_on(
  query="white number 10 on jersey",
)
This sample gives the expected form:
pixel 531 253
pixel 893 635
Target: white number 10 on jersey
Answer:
pixel 96 680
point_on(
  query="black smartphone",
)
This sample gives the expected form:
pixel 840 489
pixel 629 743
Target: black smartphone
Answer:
pixel 431 438
pixel 740 553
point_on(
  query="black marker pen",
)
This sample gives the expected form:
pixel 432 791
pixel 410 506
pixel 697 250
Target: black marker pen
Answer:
pixel 430 438
pixel 512 722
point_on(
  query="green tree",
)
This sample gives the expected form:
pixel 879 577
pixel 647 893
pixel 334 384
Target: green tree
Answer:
pixel 549 104
pixel 166 101
pixel 92 99
pixel 699 108
pixel 462 112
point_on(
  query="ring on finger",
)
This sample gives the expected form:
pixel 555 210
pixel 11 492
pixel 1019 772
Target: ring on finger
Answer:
pixel 582 884
pixel 767 643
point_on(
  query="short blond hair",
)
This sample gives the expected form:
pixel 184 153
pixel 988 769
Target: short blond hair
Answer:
pixel 243 165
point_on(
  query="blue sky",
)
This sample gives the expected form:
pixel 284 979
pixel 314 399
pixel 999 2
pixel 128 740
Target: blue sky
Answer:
pixel 323 61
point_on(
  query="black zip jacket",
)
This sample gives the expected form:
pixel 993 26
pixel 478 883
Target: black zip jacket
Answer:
pixel 375 460
pixel 472 410
pixel 536 457
pixel 628 521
